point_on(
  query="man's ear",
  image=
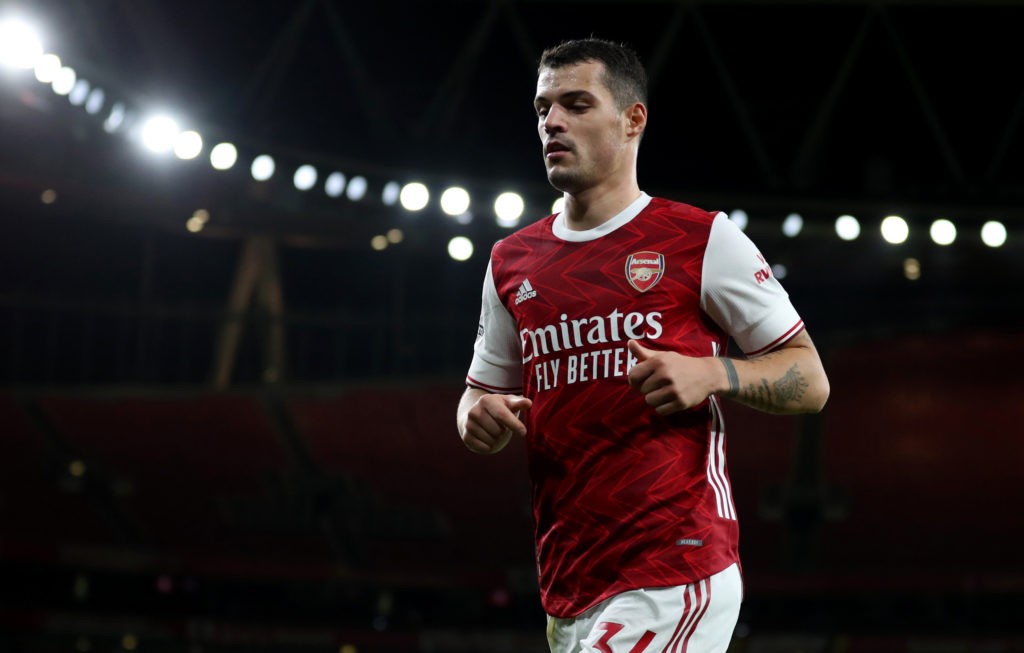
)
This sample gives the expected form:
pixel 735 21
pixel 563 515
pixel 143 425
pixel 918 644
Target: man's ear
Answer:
pixel 636 119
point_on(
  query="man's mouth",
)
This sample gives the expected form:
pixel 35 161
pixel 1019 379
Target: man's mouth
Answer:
pixel 554 148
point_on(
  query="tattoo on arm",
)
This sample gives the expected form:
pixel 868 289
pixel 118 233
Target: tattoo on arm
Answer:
pixel 734 380
pixel 775 395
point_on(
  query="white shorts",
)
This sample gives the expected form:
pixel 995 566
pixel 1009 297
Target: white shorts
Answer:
pixel 694 618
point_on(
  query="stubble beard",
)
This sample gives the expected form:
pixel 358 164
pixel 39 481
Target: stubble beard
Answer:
pixel 566 181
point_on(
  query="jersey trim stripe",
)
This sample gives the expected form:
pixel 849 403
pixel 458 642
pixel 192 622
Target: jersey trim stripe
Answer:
pixel 716 464
pixel 470 381
pixel 793 330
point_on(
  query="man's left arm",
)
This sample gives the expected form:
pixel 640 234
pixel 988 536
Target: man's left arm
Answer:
pixel 786 380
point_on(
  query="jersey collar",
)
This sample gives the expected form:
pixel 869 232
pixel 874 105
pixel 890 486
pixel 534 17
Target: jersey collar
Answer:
pixel 559 229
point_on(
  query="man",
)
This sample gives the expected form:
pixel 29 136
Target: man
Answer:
pixel 601 339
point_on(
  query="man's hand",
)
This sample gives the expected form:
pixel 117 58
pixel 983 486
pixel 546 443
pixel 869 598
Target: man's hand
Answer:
pixel 670 381
pixel 488 421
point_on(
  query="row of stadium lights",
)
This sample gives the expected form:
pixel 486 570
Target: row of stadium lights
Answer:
pixel 21 48
pixel 894 229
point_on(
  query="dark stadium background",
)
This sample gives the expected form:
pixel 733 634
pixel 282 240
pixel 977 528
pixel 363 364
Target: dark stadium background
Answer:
pixel 242 438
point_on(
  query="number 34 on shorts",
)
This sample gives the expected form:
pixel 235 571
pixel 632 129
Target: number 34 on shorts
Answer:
pixel 695 618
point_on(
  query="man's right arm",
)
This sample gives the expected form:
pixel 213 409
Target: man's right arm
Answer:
pixel 487 421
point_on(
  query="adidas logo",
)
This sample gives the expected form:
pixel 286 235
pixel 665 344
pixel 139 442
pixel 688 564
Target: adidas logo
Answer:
pixel 525 292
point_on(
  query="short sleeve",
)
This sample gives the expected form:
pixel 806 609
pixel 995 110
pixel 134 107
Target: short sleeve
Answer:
pixel 497 358
pixel 740 293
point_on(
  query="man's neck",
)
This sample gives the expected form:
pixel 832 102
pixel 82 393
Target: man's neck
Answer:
pixel 595 206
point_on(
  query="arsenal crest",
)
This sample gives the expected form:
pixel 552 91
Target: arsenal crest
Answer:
pixel 644 269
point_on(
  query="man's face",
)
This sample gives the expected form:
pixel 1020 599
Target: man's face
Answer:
pixel 580 127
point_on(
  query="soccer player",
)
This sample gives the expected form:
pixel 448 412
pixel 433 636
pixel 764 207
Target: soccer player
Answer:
pixel 601 341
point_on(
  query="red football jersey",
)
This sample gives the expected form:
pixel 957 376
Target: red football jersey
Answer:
pixel 623 498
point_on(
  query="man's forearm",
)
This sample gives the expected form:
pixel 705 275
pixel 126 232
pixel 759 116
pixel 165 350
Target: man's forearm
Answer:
pixel 786 381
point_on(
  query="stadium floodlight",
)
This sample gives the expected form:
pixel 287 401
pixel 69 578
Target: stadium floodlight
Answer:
pixel 64 80
pixel 943 232
pixel 847 227
pixel 262 167
pixel 389 195
pixel 395 236
pixel 159 133
pixel 115 119
pixel 460 248
pixel 356 189
pixel 558 205
pixel 79 92
pixel 779 271
pixel 305 177
pixel 188 145
pixel 47 67
pixel 20 45
pixel 740 217
pixel 895 230
pixel 94 103
pixel 793 225
pixel 379 242
pixel 508 208
pixel 223 156
pixel 993 233
pixel 912 269
pixel 334 186
pixel 414 196
pixel 455 201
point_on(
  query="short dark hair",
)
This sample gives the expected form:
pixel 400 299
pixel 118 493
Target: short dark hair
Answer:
pixel 624 74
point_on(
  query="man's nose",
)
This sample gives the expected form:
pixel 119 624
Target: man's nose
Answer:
pixel 555 120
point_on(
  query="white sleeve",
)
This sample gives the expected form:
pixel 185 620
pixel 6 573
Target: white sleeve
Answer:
pixel 497 356
pixel 740 293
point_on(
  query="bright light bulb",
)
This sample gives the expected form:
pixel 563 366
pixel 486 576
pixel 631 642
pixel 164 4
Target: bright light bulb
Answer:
pixel 793 225
pixel 335 184
pixel 356 189
pixel 79 92
pixel 389 196
pixel 460 248
pixel 20 45
pixel 943 232
pixel 847 227
pixel 159 134
pixel 262 167
pixel 993 233
pixel 455 201
pixel 414 196
pixel 895 230
pixel 188 145
pixel 508 208
pixel 305 177
pixel 47 67
pixel 64 80
pixel 223 156
pixel 94 103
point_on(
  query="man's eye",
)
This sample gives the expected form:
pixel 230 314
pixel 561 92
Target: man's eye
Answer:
pixel 541 113
pixel 580 108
